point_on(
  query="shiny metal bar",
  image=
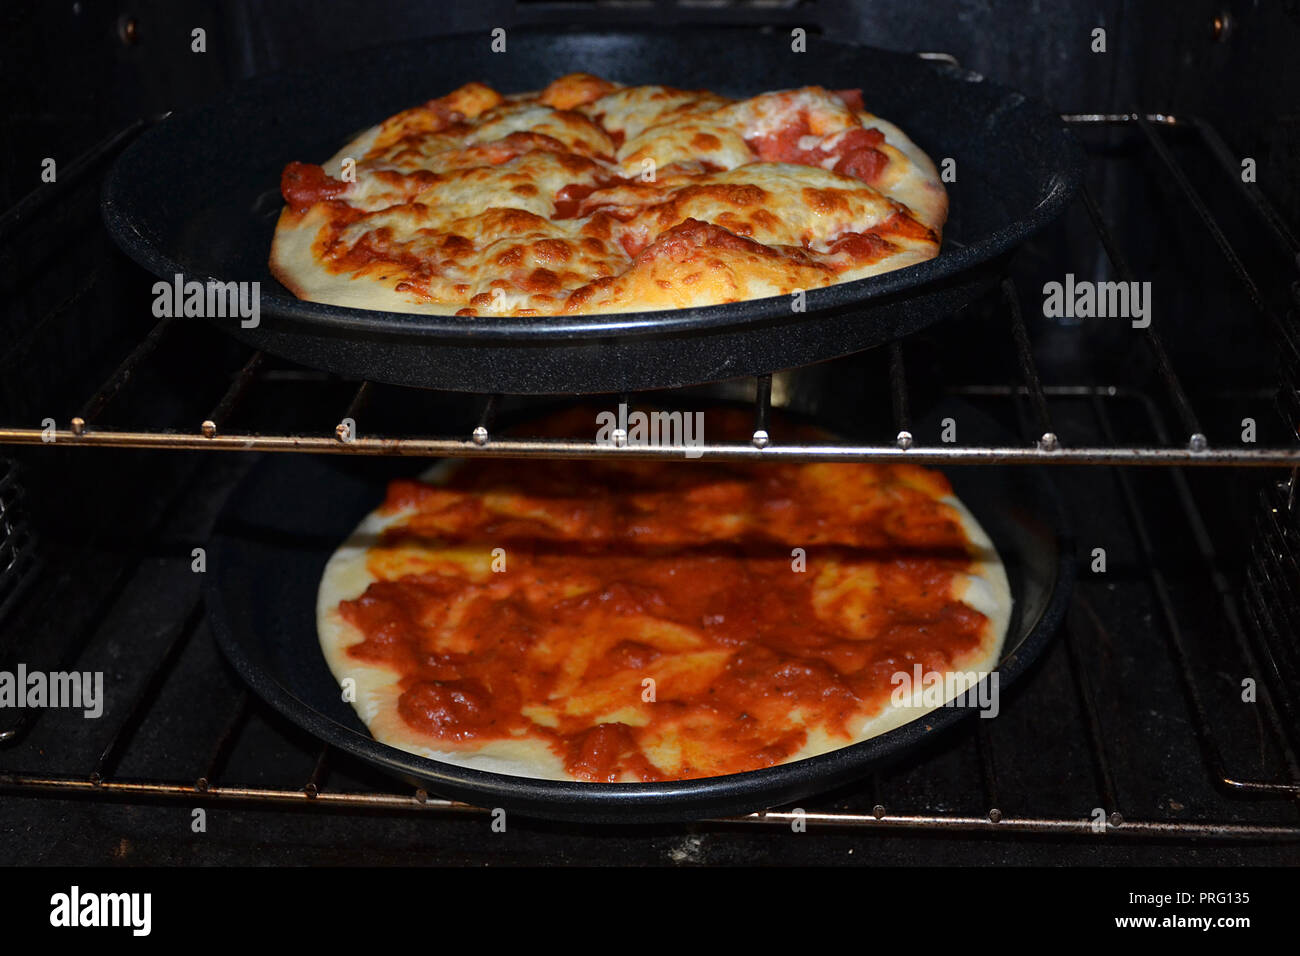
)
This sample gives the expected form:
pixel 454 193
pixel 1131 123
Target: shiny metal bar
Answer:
pixel 243 379
pixel 571 448
pixel 343 431
pixel 108 391
pixel 1047 439
pixel 1283 734
pixel 1120 119
pixel 762 411
pixel 312 787
pixel 1179 653
pixel 482 433
pixel 225 742
pixel 898 396
pixel 147 694
pixel 419 801
pixel 1196 440
pixel 1231 164
pixel 1226 248
pixel 24 211
pixel 1088 700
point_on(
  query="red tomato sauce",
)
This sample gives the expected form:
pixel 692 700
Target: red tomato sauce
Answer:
pixel 615 571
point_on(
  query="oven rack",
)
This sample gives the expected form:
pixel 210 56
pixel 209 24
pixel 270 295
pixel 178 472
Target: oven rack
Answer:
pixel 1084 630
pixel 478 440
pixel 1038 406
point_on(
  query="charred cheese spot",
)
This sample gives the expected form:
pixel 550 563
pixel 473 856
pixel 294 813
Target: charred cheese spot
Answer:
pixel 576 131
pixel 574 90
pixel 469 100
pixel 681 143
pixel 541 280
pixel 553 250
pixel 510 257
pixel 826 202
pixel 632 110
pixel 412 125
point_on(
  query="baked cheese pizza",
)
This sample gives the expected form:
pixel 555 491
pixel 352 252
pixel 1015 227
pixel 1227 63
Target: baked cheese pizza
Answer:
pixel 621 621
pixel 590 197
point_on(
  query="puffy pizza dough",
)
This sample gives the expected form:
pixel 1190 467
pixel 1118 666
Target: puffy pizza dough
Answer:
pixel 346 577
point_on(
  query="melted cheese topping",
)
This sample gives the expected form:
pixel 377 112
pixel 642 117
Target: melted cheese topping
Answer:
pixel 589 197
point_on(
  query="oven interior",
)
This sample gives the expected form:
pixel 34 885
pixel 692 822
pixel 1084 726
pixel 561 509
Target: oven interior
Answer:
pixel 1131 739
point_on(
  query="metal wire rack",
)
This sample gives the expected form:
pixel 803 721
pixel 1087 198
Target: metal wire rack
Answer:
pixel 1266 648
pixel 1084 626
pixel 478 441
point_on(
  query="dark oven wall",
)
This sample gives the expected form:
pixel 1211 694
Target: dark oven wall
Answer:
pixel 135 59
pixel 80 77
pixel 77 72
pixel 99 65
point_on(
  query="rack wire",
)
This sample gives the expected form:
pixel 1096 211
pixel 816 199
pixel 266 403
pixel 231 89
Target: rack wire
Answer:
pixel 476 440
pixel 1083 626
pixel 1260 649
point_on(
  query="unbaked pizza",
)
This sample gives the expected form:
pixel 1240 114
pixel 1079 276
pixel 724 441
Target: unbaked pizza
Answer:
pixel 630 621
pixel 590 197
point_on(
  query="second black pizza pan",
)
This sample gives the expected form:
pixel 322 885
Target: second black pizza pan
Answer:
pixel 290 514
pixel 198 195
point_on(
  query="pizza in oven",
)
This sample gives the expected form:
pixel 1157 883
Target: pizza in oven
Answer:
pixel 590 197
pixel 623 621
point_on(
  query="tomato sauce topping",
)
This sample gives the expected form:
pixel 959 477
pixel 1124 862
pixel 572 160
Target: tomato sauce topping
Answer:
pixel 648 622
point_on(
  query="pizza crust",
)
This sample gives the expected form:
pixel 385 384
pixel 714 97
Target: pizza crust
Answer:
pixel 346 576
pixel 914 182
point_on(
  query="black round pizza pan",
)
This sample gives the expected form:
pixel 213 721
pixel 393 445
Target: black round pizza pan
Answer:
pixel 292 511
pixel 197 195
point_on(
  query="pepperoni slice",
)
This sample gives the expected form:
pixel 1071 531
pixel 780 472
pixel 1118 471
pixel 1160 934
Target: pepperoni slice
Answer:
pixel 850 98
pixel 859 157
pixel 855 151
pixel 569 197
pixel 303 184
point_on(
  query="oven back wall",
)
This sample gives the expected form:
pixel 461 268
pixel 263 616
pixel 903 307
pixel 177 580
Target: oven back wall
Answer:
pixel 75 72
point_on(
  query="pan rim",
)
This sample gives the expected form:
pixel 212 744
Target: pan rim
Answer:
pixel 643 802
pixel 952 263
